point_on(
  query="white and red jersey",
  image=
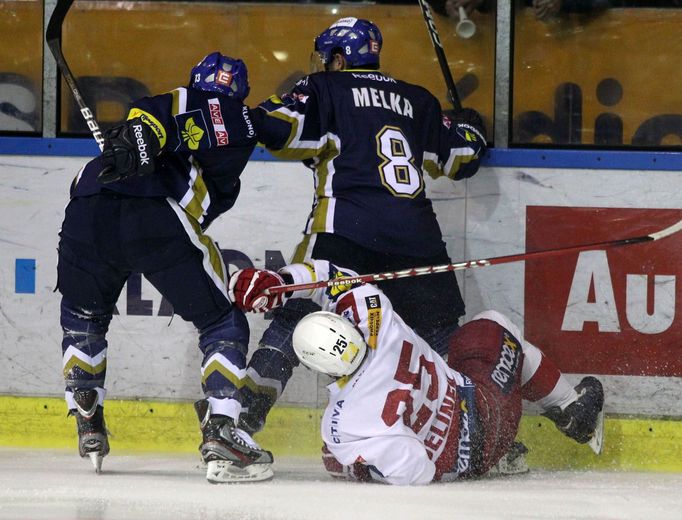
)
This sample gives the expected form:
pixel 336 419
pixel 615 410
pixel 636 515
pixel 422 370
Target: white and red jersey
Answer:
pixel 402 413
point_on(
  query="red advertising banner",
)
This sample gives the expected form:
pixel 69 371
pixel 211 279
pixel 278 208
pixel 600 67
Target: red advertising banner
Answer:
pixel 609 311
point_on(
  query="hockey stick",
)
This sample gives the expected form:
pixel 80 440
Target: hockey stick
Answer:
pixel 420 271
pixel 53 35
pixel 440 54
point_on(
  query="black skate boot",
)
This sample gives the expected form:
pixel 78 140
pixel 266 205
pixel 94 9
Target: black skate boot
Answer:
pixel 252 420
pixel 229 452
pixel 583 419
pixel 513 462
pixel 93 441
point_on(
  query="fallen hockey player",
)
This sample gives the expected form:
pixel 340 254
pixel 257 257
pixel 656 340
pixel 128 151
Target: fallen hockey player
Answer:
pixel 398 413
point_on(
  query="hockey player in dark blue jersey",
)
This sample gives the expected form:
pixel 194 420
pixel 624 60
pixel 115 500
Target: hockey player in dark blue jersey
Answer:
pixel 369 139
pixel 143 206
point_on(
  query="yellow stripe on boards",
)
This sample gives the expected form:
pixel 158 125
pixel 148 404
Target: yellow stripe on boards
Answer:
pixel 146 426
pixel 629 444
pixel 149 426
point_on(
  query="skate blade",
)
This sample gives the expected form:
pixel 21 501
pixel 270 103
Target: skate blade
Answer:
pixel 518 466
pixel 597 440
pixel 96 459
pixel 224 472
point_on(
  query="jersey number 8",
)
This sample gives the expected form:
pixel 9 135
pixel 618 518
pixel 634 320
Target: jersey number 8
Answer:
pixel 398 172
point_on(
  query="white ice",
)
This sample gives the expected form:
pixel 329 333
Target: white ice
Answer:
pixel 58 485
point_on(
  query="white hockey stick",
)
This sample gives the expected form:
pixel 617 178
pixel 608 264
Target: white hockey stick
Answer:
pixel 420 271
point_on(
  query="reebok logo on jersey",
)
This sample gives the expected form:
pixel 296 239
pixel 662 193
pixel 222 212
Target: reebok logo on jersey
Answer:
pixel 373 76
pixel 219 130
pixel 505 370
pixel 142 154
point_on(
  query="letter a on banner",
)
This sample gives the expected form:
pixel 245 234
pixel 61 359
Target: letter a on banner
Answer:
pixel 591 270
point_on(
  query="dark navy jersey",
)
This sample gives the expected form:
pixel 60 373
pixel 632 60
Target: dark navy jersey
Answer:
pixel 206 140
pixel 369 140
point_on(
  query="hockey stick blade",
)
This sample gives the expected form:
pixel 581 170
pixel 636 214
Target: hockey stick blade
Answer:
pixel 468 264
pixel 53 36
pixel 54 26
pixel 667 231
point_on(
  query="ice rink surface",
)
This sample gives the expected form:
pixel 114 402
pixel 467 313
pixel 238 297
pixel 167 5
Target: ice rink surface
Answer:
pixel 58 485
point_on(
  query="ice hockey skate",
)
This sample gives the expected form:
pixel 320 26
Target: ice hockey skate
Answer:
pixel 231 455
pixel 93 440
pixel 252 419
pixel 583 419
pixel 513 462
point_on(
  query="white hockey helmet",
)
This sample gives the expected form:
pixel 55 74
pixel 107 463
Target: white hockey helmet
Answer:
pixel 329 343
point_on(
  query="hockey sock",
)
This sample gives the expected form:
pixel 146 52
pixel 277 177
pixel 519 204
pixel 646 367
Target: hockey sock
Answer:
pixel 542 381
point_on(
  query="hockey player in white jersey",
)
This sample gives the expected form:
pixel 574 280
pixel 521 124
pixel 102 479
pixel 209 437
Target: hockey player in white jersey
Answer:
pixel 398 413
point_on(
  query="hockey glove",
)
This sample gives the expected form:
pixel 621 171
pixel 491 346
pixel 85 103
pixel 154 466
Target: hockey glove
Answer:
pixel 246 288
pixel 129 149
pixel 356 471
pixel 468 117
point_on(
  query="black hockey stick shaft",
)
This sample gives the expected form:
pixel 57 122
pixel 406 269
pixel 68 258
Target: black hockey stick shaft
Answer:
pixel 53 35
pixel 440 54
pixel 468 264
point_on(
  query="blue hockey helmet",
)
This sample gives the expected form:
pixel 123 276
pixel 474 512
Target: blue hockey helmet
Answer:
pixel 220 73
pixel 358 40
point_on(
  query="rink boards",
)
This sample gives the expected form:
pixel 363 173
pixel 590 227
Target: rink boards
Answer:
pixel 611 313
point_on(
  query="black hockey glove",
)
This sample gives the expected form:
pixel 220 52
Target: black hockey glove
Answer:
pixel 129 149
pixel 469 116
